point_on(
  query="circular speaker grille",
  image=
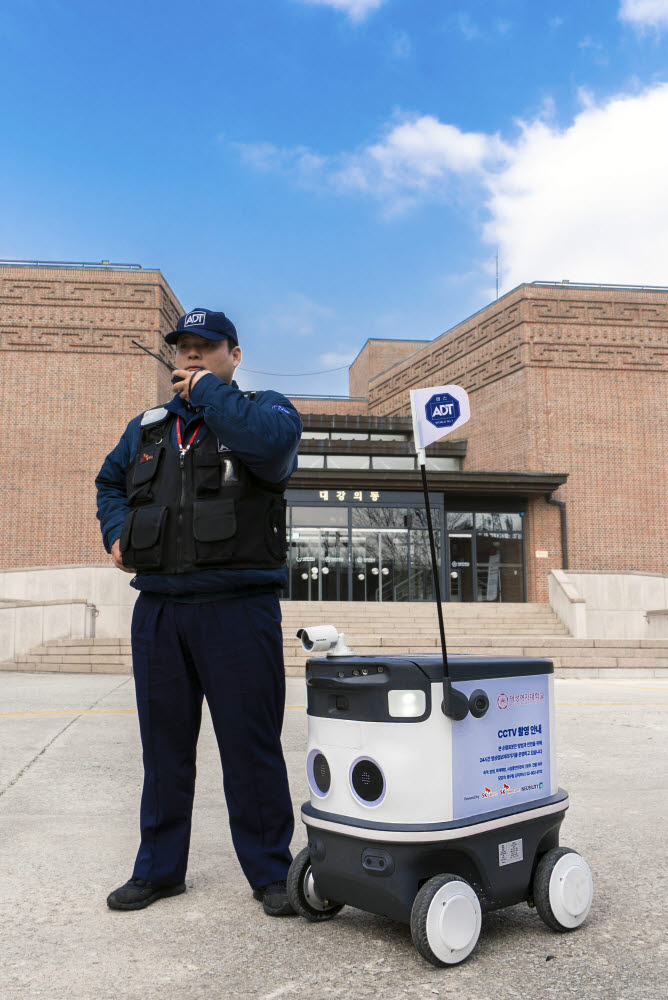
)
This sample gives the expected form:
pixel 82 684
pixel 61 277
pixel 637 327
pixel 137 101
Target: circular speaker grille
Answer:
pixel 318 772
pixel 321 775
pixel 367 781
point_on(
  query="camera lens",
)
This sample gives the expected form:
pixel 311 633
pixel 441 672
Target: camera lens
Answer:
pixel 478 703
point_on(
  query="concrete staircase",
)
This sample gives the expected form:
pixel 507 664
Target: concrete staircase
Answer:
pixel 483 629
pixel 395 629
pixel 78 656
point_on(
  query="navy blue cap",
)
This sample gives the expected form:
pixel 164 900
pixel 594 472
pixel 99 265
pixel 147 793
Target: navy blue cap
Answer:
pixel 205 323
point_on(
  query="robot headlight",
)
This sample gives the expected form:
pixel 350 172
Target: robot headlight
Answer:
pixel 406 704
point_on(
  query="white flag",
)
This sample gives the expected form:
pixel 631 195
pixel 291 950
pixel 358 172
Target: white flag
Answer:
pixel 437 412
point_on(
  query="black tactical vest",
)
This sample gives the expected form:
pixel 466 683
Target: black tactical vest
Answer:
pixel 203 510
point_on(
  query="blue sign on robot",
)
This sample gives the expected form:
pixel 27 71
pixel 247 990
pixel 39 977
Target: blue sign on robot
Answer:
pixel 442 410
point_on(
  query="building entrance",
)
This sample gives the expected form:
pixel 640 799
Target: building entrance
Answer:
pixel 380 552
pixel 360 553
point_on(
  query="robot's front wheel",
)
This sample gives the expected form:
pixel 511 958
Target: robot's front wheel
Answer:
pixel 563 889
pixel 303 894
pixel 445 920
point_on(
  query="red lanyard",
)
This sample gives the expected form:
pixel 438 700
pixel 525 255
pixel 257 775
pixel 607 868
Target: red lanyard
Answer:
pixel 184 451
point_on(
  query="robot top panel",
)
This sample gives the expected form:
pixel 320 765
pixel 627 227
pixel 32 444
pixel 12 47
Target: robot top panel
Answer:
pixel 363 670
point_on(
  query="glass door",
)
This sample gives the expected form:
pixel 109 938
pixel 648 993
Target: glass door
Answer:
pixel 461 567
pixel 319 564
pixel 380 564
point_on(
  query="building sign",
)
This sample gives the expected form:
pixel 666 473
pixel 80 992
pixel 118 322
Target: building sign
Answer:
pixel 351 496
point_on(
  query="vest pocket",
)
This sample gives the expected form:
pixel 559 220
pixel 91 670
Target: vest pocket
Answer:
pixel 143 474
pixel 214 528
pixel 275 529
pixel 143 532
pixel 207 473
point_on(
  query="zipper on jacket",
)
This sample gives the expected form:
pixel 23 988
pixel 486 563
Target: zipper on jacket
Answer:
pixel 179 519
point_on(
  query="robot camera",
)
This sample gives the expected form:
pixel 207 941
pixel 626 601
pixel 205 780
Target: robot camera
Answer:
pixel 323 638
pixel 478 704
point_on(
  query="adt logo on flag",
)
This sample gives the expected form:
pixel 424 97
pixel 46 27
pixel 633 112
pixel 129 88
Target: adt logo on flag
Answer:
pixel 436 412
pixel 442 410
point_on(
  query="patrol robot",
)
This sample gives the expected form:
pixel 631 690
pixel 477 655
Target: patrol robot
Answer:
pixel 432 803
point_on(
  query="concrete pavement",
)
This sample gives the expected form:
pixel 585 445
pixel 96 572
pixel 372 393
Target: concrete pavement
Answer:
pixel 70 778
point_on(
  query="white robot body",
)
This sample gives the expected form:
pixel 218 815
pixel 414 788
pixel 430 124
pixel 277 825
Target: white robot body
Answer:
pixel 434 799
pixel 421 761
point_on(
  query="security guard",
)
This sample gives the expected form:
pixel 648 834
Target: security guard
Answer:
pixel 191 499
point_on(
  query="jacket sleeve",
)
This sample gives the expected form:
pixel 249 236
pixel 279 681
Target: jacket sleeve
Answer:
pixel 264 433
pixel 112 505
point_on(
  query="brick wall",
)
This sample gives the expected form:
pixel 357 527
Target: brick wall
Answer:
pixel 72 382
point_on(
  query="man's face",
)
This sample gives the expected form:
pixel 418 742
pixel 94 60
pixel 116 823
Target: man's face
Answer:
pixel 218 356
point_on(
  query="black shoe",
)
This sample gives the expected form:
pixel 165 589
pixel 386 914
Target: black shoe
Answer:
pixel 137 893
pixel 275 900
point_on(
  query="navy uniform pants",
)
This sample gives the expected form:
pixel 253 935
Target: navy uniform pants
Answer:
pixel 231 652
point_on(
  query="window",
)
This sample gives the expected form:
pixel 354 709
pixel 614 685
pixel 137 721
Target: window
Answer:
pixel 393 462
pixel 311 461
pixel 396 436
pixel 322 517
pixel 458 521
pixel 315 436
pixel 349 436
pixel 347 461
pixel 443 464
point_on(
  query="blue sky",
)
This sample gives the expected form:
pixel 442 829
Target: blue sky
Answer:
pixel 331 170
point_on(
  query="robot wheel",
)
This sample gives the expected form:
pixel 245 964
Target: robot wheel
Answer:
pixel 445 920
pixel 303 894
pixel 563 889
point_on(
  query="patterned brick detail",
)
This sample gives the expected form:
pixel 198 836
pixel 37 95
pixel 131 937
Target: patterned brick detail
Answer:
pixel 76 380
pixel 376 357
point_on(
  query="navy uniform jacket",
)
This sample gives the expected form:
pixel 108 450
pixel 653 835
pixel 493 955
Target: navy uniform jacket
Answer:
pixel 264 433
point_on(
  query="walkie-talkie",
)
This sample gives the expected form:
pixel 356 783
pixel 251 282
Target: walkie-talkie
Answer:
pixel 157 357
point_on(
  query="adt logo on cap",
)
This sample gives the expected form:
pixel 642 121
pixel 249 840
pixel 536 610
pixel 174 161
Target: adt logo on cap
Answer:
pixel 442 410
pixel 195 319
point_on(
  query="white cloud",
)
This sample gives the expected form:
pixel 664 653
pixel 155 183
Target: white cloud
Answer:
pixel 644 13
pixel 586 202
pixel 300 162
pixel 356 10
pixel 417 157
pixel 467 26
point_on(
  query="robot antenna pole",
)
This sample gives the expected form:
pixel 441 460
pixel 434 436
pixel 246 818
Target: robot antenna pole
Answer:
pixel 434 565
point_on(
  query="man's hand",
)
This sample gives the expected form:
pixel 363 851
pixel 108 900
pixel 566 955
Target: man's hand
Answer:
pixel 187 380
pixel 116 556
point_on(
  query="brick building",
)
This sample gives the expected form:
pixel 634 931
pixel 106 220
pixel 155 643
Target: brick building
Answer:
pixel 568 402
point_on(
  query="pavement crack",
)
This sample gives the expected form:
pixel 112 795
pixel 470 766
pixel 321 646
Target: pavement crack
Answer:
pixel 24 770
